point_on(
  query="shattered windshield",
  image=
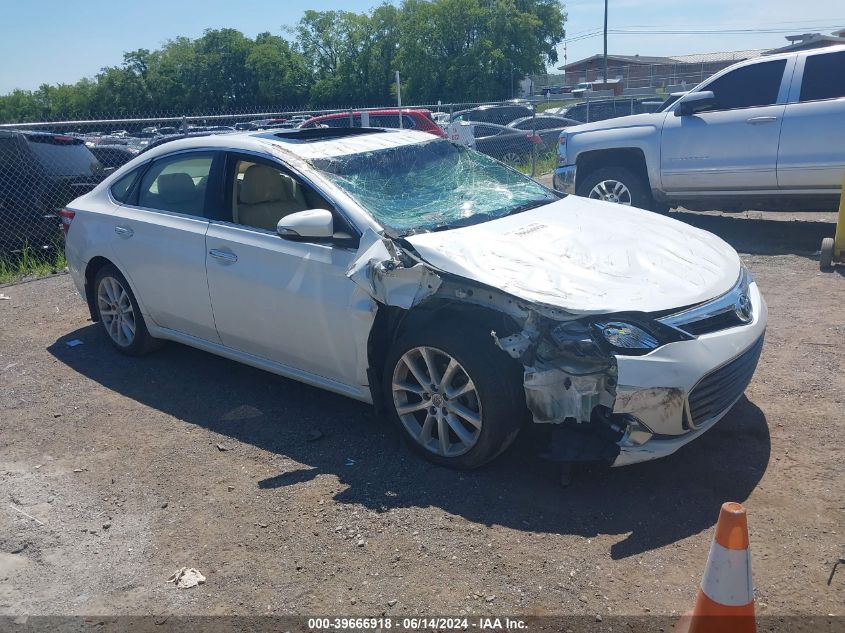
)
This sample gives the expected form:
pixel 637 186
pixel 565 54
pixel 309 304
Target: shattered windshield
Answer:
pixel 432 186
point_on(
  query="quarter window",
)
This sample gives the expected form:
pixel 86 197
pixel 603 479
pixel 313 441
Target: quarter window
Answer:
pixel 824 77
pixel 177 184
pixel 747 87
pixel 122 188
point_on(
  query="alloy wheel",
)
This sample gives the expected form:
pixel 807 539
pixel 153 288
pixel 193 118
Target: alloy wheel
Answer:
pixel 116 311
pixel 511 158
pixel 436 401
pixel 611 191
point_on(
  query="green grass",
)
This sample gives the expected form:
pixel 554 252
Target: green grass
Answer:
pixel 31 264
pixel 546 163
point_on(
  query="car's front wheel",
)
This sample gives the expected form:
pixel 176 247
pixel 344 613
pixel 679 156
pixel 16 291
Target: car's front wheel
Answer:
pixel 455 396
pixel 615 184
pixel 119 313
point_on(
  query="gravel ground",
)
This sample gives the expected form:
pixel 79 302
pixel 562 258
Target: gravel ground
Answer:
pixel 291 500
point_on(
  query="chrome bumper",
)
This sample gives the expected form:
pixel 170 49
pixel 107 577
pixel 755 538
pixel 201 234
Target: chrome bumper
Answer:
pixel 564 179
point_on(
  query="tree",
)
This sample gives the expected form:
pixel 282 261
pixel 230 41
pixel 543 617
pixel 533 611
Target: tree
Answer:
pixel 452 50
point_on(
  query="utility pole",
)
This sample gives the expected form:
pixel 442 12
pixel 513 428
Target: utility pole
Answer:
pixel 605 41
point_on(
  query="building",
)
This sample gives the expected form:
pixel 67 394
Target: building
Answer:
pixel 645 71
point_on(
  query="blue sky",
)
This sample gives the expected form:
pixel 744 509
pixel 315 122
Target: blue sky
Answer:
pixel 50 41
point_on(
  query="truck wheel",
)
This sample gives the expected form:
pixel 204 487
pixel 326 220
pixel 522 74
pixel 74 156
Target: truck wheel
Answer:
pixel 616 184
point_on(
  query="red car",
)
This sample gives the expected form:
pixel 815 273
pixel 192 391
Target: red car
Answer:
pixel 411 120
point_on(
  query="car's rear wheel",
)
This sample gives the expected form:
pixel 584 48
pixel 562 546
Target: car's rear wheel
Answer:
pixel 456 397
pixel 119 314
pixel 512 158
pixel 616 184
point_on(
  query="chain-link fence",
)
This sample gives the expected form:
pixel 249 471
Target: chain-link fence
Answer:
pixel 44 165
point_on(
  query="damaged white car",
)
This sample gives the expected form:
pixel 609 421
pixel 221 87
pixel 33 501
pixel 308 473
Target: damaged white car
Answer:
pixel 458 295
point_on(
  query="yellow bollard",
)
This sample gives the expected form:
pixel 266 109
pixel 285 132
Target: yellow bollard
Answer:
pixel 833 248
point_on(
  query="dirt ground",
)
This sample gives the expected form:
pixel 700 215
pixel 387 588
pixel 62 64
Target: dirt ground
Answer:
pixel 291 500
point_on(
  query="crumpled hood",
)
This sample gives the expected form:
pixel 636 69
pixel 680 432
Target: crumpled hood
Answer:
pixel 587 256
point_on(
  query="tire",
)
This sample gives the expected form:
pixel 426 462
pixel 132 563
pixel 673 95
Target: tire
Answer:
pixel 112 295
pixel 635 191
pixel 826 256
pixel 492 394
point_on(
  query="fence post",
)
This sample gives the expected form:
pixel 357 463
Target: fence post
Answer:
pixel 587 97
pixel 533 142
pixel 351 118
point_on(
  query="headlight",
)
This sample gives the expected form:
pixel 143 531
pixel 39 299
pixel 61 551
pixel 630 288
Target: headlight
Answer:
pixel 626 336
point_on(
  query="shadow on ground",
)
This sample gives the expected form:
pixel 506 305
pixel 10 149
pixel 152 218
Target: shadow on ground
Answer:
pixel 654 504
pixel 763 237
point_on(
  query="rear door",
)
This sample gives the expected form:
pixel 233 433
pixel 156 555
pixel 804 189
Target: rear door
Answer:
pixel 812 143
pixel 734 145
pixel 158 239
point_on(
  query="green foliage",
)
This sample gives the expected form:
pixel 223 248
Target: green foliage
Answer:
pixel 29 264
pixel 453 50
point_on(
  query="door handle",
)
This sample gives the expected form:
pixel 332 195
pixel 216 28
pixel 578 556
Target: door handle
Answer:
pixel 229 258
pixel 757 120
pixel 124 231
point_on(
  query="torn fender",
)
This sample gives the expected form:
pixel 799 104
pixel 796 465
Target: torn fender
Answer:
pixel 379 270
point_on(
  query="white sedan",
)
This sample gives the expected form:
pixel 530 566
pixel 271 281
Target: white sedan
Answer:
pixel 452 292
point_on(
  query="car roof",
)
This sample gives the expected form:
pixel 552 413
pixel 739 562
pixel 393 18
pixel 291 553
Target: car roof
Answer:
pixel 307 144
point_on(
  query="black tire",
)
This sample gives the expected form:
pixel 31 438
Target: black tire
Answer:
pixel 142 342
pixel 640 193
pixel 498 384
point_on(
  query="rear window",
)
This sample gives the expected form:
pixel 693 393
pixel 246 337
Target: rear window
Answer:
pixel 63 158
pixel 824 77
pixel 389 120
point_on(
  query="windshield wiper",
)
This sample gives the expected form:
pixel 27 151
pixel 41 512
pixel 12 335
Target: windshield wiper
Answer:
pixel 528 206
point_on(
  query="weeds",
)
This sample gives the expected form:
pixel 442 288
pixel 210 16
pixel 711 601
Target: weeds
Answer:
pixel 29 263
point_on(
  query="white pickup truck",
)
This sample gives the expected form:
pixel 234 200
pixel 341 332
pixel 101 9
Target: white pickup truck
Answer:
pixel 764 133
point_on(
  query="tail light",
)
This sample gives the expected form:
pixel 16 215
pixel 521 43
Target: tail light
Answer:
pixel 535 139
pixel 66 216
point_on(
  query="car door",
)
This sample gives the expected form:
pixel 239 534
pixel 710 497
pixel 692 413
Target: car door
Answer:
pixel 158 241
pixel 811 154
pixel 734 144
pixel 286 301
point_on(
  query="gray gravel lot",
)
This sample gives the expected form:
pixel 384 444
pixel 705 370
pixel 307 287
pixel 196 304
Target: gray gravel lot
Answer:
pixel 133 468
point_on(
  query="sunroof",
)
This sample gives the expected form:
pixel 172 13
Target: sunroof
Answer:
pixel 313 134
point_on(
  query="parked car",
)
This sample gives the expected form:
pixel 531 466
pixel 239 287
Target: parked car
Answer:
pixel 457 295
pixel 603 109
pixel 161 140
pixel 497 114
pixel 764 133
pixel 546 126
pixel 506 144
pixel 113 156
pixel 40 173
pixel 411 119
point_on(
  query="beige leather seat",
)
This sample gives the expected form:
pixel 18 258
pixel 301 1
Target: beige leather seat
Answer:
pixel 266 196
pixel 178 192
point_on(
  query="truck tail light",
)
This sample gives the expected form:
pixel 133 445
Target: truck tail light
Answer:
pixel 66 216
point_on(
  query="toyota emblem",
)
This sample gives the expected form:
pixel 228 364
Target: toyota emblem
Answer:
pixel 743 308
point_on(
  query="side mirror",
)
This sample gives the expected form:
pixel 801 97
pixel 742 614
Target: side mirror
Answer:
pixel 694 102
pixel 313 223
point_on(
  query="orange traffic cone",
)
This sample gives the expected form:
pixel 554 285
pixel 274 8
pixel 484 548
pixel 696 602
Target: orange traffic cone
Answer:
pixel 725 602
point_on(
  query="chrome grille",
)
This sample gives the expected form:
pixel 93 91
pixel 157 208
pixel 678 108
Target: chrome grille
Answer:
pixel 732 309
pixel 720 388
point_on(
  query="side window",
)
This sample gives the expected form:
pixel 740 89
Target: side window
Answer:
pixel 408 122
pixel 341 121
pixel 177 184
pixel 749 86
pixel 263 194
pixel 824 77
pixel 122 188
